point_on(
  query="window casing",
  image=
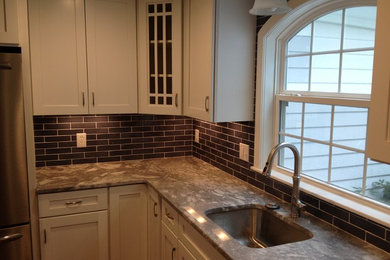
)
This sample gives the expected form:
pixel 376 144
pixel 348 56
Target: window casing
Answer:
pixel 336 107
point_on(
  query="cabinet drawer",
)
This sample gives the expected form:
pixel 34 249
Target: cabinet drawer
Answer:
pixel 63 203
pixel 199 247
pixel 170 217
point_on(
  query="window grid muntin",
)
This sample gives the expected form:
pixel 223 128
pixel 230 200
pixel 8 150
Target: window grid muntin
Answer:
pixel 162 94
pixel 331 144
pixel 341 52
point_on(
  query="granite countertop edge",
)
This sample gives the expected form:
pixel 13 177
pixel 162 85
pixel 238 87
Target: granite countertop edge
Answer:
pixel 188 182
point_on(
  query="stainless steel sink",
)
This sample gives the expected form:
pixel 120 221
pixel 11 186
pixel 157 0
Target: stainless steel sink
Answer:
pixel 258 227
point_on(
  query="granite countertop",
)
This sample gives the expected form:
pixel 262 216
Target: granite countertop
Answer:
pixel 188 182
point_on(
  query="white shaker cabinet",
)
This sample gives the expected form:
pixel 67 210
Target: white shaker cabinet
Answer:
pixel 219 46
pixel 128 222
pixel 160 56
pixel 58 57
pixel 8 22
pixel 112 56
pixel 378 135
pixel 74 225
pixel 77 237
pixel 154 224
pixel 83 56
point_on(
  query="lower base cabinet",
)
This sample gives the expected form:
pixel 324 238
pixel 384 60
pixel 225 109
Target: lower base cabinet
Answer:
pixel 128 222
pixel 74 225
pixel 118 223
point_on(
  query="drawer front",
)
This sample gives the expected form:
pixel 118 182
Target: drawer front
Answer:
pixel 63 203
pixel 170 217
pixel 196 243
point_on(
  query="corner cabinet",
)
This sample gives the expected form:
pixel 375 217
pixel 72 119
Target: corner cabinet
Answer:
pixel 219 46
pixel 378 135
pixel 159 56
pixel 8 22
pixel 128 222
pixel 83 56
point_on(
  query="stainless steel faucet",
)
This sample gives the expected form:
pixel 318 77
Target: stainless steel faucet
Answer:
pixel 296 204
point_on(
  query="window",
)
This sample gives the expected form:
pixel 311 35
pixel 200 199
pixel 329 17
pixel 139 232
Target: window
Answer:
pixel 319 58
pixel 332 57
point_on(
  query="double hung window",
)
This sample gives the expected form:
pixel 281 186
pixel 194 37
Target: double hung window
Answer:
pixel 322 93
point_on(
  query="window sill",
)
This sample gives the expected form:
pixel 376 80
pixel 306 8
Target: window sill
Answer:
pixel 364 207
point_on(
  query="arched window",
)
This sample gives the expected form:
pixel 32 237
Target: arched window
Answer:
pixel 313 90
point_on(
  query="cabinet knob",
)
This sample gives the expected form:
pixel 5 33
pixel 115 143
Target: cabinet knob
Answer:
pixel 172 253
pixel 93 98
pixel 154 209
pixel 176 101
pixel 207 103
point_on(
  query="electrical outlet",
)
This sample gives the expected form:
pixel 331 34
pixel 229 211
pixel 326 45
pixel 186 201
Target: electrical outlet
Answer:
pixel 244 152
pixel 81 139
pixel 197 135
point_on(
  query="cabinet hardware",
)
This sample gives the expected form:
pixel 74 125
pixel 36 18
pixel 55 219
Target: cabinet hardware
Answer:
pixel 44 236
pixel 173 251
pixel 176 101
pixel 9 238
pixel 83 99
pixel 169 216
pixel 154 209
pixel 5 66
pixel 206 103
pixel 73 203
pixel 93 98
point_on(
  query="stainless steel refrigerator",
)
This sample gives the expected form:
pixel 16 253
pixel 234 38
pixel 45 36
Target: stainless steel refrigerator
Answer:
pixel 15 237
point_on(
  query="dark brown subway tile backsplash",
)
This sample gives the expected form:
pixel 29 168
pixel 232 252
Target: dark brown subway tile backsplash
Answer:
pixel 110 138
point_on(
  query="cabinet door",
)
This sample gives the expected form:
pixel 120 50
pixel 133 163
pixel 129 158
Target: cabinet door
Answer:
pixel 58 56
pixel 77 237
pixel 8 22
pixel 169 244
pixel 159 56
pixel 219 45
pixel 128 224
pixel 112 57
pixel 378 135
pixel 198 59
pixel 184 253
pixel 154 225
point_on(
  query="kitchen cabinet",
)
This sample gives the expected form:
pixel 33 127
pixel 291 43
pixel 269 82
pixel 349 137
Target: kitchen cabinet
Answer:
pixel 8 22
pixel 128 222
pixel 74 225
pixel 378 133
pixel 179 240
pixel 83 56
pixel 159 56
pixel 219 45
pixel 169 244
pixel 154 224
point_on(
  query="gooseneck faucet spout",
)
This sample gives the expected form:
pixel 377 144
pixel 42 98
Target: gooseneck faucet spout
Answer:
pixel 296 204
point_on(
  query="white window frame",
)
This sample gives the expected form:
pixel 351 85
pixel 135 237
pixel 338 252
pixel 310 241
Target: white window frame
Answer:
pixel 272 39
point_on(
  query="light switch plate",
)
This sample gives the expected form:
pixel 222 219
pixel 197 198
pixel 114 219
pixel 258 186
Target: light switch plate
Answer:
pixel 244 152
pixel 81 139
pixel 197 135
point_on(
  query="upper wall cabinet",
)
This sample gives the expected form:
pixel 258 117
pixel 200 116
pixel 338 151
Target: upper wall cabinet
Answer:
pixel 8 22
pixel 378 136
pixel 159 56
pixel 68 35
pixel 219 46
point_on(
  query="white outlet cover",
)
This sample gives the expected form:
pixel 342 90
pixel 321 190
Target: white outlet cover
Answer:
pixel 197 135
pixel 244 152
pixel 81 139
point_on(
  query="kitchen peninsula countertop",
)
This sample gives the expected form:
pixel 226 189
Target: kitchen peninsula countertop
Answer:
pixel 187 182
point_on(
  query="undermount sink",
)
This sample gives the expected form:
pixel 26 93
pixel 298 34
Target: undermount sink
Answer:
pixel 258 227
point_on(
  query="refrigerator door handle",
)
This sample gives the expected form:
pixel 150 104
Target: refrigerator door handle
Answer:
pixel 5 66
pixel 9 238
